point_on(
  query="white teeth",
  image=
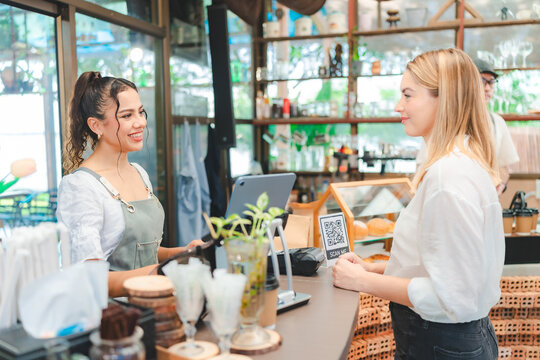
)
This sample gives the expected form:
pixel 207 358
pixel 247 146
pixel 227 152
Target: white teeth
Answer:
pixel 136 136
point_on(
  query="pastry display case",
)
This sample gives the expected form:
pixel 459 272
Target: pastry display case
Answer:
pixel 370 208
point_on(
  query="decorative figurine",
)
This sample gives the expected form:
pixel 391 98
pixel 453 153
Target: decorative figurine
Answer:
pixel 392 17
pixel 336 64
pixel 504 12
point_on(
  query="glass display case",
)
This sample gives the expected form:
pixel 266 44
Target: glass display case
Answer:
pixel 370 208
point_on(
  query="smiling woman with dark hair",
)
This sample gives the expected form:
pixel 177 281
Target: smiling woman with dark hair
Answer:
pixel 107 202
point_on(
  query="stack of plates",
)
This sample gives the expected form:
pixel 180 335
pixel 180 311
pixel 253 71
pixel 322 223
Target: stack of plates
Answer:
pixel 156 292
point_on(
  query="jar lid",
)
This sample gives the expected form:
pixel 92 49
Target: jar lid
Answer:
pixel 508 213
pixel 271 282
pixel 523 212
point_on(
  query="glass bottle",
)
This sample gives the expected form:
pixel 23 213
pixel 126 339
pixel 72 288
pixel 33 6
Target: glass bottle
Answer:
pixel 128 348
pixel 259 105
pixel 57 349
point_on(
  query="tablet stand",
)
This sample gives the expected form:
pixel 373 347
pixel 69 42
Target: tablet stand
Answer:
pixel 287 299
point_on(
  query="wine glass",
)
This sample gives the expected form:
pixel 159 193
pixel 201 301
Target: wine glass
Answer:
pixel 224 294
pixel 525 49
pixel 186 279
pixel 504 49
pixel 514 50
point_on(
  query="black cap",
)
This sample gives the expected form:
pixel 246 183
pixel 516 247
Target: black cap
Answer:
pixel 485 67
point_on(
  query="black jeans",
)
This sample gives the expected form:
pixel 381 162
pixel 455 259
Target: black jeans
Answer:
pixel 421 339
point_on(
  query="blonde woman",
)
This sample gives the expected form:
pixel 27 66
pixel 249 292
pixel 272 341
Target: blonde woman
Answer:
pixel 448 252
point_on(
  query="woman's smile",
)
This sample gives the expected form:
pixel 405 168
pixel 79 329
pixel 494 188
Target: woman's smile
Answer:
pixel 137 136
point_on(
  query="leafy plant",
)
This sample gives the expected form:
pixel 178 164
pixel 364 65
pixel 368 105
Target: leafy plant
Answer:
pixel 252 228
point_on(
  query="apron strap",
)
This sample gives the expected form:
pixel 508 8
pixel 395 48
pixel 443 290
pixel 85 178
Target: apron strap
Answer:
pixel 114 193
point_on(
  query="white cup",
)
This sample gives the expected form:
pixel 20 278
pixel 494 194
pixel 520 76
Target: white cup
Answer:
pixel 364 22
pixel 336 22
pixel 302 26
pixel 416 16
pixel 536 9
pixel 524 14
pixel 271 29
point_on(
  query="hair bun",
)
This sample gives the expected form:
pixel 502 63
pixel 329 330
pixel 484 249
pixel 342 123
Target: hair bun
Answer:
pixel 94 75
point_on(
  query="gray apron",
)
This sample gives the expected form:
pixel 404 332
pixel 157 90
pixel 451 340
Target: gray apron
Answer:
pixel 143 229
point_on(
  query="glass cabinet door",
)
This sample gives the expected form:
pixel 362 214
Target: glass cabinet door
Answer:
pixel 30 125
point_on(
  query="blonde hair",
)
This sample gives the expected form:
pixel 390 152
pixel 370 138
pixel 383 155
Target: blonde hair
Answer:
pixel 462 118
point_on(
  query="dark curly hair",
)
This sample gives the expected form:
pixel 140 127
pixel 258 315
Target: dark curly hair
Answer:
pixel 89 99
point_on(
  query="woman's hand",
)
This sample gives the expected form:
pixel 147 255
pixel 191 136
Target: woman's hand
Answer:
pixel 349 272
pixel 194 243
pixel 164 253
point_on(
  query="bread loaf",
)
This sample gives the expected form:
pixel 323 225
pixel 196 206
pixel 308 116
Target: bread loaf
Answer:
pixel 377 227
pixel 376 257
pixel 391 225
pixel 360 230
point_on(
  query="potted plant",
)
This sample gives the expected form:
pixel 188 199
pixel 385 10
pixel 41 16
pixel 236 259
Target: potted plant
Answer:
pixel 358 54
pixel 247 247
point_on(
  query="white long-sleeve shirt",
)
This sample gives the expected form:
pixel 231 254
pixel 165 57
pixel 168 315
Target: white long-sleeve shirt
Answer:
pixel 95 220
pixel 449 241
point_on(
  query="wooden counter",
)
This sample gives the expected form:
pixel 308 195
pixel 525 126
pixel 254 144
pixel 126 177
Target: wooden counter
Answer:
pixel 321 329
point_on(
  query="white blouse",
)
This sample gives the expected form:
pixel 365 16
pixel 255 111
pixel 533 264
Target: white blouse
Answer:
pixel 449 240
pixel 95 220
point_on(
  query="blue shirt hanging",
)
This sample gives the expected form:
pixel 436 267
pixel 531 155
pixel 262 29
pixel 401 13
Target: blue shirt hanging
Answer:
pixel 188 194
pixel 203 180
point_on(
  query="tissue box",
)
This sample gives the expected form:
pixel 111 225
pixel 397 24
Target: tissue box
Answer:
pixel 15 343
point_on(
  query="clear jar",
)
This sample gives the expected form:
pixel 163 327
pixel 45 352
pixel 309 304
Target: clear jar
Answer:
pixel 128 348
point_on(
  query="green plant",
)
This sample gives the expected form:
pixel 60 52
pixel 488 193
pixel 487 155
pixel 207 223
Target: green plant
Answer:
pixel 247 229
pixel 359 50
pixel 247 247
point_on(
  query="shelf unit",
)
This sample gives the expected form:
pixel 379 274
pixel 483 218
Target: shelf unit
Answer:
pixel 351 36
pixel 376 120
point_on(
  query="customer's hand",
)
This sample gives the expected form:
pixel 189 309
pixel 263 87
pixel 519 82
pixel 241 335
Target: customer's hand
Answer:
pixel 355 259
pixel 348 275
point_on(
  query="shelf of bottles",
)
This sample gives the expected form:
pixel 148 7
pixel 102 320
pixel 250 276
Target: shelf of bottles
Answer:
pixel 344 86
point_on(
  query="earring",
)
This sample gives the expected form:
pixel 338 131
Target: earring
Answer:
pixel 99 137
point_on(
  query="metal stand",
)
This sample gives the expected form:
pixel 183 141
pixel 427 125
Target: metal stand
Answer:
pixel 287 299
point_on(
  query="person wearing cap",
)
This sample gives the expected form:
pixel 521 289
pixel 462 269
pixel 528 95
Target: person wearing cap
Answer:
pixel 505 151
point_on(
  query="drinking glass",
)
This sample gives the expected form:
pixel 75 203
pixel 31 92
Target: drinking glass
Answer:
pixel 504 49
pixel 224 294
pixel 186 279
pixel 525 49
pixel 514 50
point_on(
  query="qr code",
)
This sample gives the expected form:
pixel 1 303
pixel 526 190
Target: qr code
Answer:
pixel 333 231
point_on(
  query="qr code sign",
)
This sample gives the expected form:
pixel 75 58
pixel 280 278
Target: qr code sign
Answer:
pixel 334 236
pixel 334 232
